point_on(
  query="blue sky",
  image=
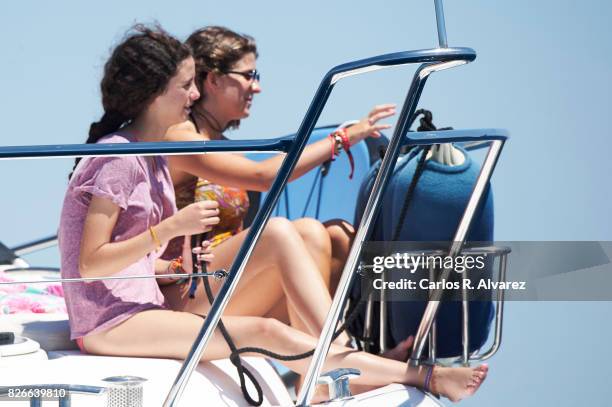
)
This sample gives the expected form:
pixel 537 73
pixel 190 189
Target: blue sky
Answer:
pixel 542 72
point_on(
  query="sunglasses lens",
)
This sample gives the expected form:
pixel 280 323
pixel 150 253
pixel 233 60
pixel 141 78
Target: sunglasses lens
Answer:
pixel 249 75
pixel 253 75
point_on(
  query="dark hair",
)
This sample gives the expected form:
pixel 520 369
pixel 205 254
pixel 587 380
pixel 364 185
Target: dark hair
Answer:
pixel 137 71
pixel 217 49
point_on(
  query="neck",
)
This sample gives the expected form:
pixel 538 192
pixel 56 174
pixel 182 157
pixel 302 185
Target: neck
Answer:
pixel 209 119
pixel 147 129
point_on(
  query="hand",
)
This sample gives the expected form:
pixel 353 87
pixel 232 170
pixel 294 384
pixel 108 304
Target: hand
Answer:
pixel 199 217
pixel 368 127
pixel 204 253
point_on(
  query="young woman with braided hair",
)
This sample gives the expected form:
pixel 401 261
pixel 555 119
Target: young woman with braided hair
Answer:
pixel 119 213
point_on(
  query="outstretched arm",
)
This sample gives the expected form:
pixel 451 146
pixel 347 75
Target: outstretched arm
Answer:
pixel 241 172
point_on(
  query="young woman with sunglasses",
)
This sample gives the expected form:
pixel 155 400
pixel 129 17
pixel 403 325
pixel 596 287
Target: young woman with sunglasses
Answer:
pixel 296 265
pixel 119 213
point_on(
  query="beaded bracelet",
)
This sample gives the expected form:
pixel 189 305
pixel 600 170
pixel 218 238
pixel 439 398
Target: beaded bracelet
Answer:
pixel 176 266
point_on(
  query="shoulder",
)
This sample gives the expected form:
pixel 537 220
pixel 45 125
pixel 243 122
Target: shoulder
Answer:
pixel 114 138
pixel 127 167
pixel 185 131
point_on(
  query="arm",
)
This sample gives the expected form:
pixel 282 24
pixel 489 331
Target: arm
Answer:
pixel 99 257
pixel 241 172
pixel 163 266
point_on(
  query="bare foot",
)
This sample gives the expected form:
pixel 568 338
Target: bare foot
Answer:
pixel 456 383
pixel 320 395
pixel 401 350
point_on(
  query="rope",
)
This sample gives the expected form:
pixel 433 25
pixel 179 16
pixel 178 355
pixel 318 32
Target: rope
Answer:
pixel 312 188
pixel 426 124
pixel 235 352
pixel 234 356
pixel 325 167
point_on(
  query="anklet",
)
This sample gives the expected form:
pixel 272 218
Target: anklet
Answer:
pixel 428 376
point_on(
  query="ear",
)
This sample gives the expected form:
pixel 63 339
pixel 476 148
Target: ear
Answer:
pixel 212 82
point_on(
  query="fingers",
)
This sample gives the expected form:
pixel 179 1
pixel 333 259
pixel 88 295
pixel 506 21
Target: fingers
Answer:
pixel 208 213
pixel 206 257
pixel 375 116
pixel 204 253
pixel 208 222
pixel 379 108
pixel 208 208
pixel 205 247
pixel 208 204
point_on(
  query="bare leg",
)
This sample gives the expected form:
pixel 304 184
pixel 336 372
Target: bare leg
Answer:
pixel 280 249
pixel 341 234
pixel 317 241
pixel 169 334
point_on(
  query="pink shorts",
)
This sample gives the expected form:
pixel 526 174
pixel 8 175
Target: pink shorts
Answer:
pixel 79 342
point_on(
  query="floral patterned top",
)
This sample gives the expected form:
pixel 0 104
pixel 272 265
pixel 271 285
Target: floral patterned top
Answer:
pixel 233 207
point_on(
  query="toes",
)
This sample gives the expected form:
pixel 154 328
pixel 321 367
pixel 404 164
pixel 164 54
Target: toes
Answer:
pixel 481 371
pixel 408 342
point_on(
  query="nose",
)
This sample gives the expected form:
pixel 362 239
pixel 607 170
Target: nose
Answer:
pixel 194 94
pixel 255 86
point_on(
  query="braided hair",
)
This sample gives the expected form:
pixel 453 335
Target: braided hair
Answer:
pixel 137 71
pixel 216 49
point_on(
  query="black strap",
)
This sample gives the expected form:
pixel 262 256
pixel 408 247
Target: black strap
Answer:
pixel 234 357
pixel 408 199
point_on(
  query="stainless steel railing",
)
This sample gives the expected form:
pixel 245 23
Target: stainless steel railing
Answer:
pixel 465 358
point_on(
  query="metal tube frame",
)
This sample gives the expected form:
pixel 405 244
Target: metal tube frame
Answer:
pixel 441 24
pixel 501 252
pixel 433 333
pixel 382 315
pixel 431 310
pixel 35 246
pixel 465 321
pixel 499 311
pixel 384 174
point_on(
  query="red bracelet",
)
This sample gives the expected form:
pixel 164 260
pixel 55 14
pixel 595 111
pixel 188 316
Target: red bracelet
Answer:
pixel 333 146
pixel 346 144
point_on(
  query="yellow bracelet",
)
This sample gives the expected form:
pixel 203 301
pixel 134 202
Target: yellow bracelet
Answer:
pixel 155 238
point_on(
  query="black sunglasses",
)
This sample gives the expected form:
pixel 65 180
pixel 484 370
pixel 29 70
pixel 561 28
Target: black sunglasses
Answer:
pixel 248 75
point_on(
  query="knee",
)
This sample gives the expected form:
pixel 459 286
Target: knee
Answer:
pixel 279 232
pixel 278 229
pixel 341 235
pixel 314 235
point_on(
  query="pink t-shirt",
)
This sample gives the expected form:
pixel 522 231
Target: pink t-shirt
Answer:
pixel 142 188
